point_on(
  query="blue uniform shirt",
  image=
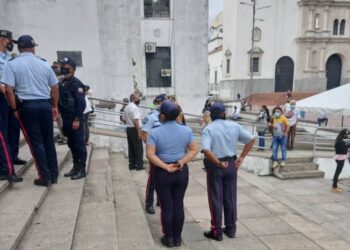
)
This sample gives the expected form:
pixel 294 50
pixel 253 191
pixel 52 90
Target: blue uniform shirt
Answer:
pixel 221 137
pixel 170 140
pixel 30 76
pixel 151 121
pixel 4 57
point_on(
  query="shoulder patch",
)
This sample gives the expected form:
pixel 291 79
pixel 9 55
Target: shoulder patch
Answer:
pixel 145 120
pixel 80 90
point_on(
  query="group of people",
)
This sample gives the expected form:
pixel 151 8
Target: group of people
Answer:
pixel 170 145
pixel 35 94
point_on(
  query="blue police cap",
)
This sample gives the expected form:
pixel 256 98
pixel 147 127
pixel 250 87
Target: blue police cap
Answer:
pixel 6 33
pixel 69 61
pixel 25 42
pixel 217 107
pixel 160 98
pixel 168 107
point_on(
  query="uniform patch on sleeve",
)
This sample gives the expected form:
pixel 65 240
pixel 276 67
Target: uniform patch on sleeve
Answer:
pixel 80 90
pixel 145 120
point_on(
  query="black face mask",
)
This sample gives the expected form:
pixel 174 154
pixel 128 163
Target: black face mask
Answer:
pixel 9 46
pixel 64 71
pixel 137 102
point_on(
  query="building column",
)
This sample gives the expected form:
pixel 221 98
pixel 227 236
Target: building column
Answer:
pixel 307 56
pixel 311 18
pixel 322 65
pixel 325 19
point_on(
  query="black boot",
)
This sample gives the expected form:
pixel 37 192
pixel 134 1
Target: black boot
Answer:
pixel 14 178
pixel 81 173
pixel 167 241
pixel 71 172
pixel 210 234
pixel 42 182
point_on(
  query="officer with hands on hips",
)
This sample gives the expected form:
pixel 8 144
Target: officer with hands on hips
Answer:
pixel 219 145
pixel 149 122
pixel 35 85
pixel 71 106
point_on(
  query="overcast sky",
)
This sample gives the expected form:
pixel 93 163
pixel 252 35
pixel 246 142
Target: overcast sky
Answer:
pixel 215 6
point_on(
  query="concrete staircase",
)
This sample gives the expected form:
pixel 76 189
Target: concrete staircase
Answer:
pixel 298 168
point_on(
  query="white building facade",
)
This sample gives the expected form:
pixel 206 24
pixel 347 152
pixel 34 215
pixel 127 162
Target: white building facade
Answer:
pixel 299 45
pixel 154 46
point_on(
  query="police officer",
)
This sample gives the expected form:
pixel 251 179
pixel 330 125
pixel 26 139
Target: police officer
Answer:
pixel 219 145
pixel 7 171
pixel 31 78
pixel 149 122
pixel 71 106
pixel 166 150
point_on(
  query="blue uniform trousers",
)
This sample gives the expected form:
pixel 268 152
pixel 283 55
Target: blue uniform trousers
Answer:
pixel 6 167
pixel 4 112
pixel 37 126
pixel 222 192
pixel 13 133
pixel 76 141
pixel 150 187
pixel 171 188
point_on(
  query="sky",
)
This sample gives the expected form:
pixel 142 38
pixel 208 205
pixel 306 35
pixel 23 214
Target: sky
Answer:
pixel 215 6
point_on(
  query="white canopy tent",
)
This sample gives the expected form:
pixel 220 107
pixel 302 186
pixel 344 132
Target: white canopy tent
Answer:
pixel 335 101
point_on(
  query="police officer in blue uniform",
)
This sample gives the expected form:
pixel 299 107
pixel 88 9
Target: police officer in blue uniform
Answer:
pixel 169 148
pixel 7 170
pixel 149 122
pixel 219 145
pixel 71 106
pixel 35 85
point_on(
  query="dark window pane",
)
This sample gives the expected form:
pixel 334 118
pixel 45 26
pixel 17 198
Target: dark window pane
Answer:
pixel 342 27
pixel 228 66
pixel 75 55
pixel 335 27
pixel 255 65
pixel 157 8
pixel 216 76
pixel 158 68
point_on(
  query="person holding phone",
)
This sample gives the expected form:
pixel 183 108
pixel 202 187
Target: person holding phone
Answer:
pixel 169 148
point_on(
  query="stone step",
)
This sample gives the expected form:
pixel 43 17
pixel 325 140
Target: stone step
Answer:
pixel 19 204
pixel 298 166
pixel 132 226
pixel 20 169
pixel 96 223
pixel 301 174
pixel 299 160
pixel 54 224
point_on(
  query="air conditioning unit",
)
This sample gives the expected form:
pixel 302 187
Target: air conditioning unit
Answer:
pixel 165 72
pixel 150 47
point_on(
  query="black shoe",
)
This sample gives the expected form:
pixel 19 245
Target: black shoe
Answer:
pixel 229 234
pixel 14 178
pixel 167 241
pixel 71 172
pixel 19 161
pixel 78 175
pixel 41 182
pixel 177 241
pixel 150 209
pixel 210 235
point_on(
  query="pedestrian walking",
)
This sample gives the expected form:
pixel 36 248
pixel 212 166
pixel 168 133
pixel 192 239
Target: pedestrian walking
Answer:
pixel 32 78
pixel 293 115
pixel 341 145
pixel 132 116
pixel 72 105
pixel 219 145
pixel 261 125
pixel 169 148
pixel 279 123
pixel 149 122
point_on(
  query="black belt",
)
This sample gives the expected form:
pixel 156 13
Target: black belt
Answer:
pixel 228 158
pixel 34 101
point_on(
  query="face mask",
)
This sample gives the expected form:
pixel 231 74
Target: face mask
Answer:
pixel 9 46
pixel 276 114
pixel 64 71
pixel 137 102
pixel 57 70
pixel 292 107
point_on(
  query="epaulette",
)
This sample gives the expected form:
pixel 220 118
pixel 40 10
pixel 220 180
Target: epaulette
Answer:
pixel 13 58
pixel 42 59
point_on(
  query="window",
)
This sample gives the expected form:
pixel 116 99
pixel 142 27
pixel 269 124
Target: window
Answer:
pixel 335 27
pixel 216 76
pixel 317 21
pixel 255 65
pixel 228 66
pixel 157 8
pixel 342 27
pixel 76 56
pixel 158 68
